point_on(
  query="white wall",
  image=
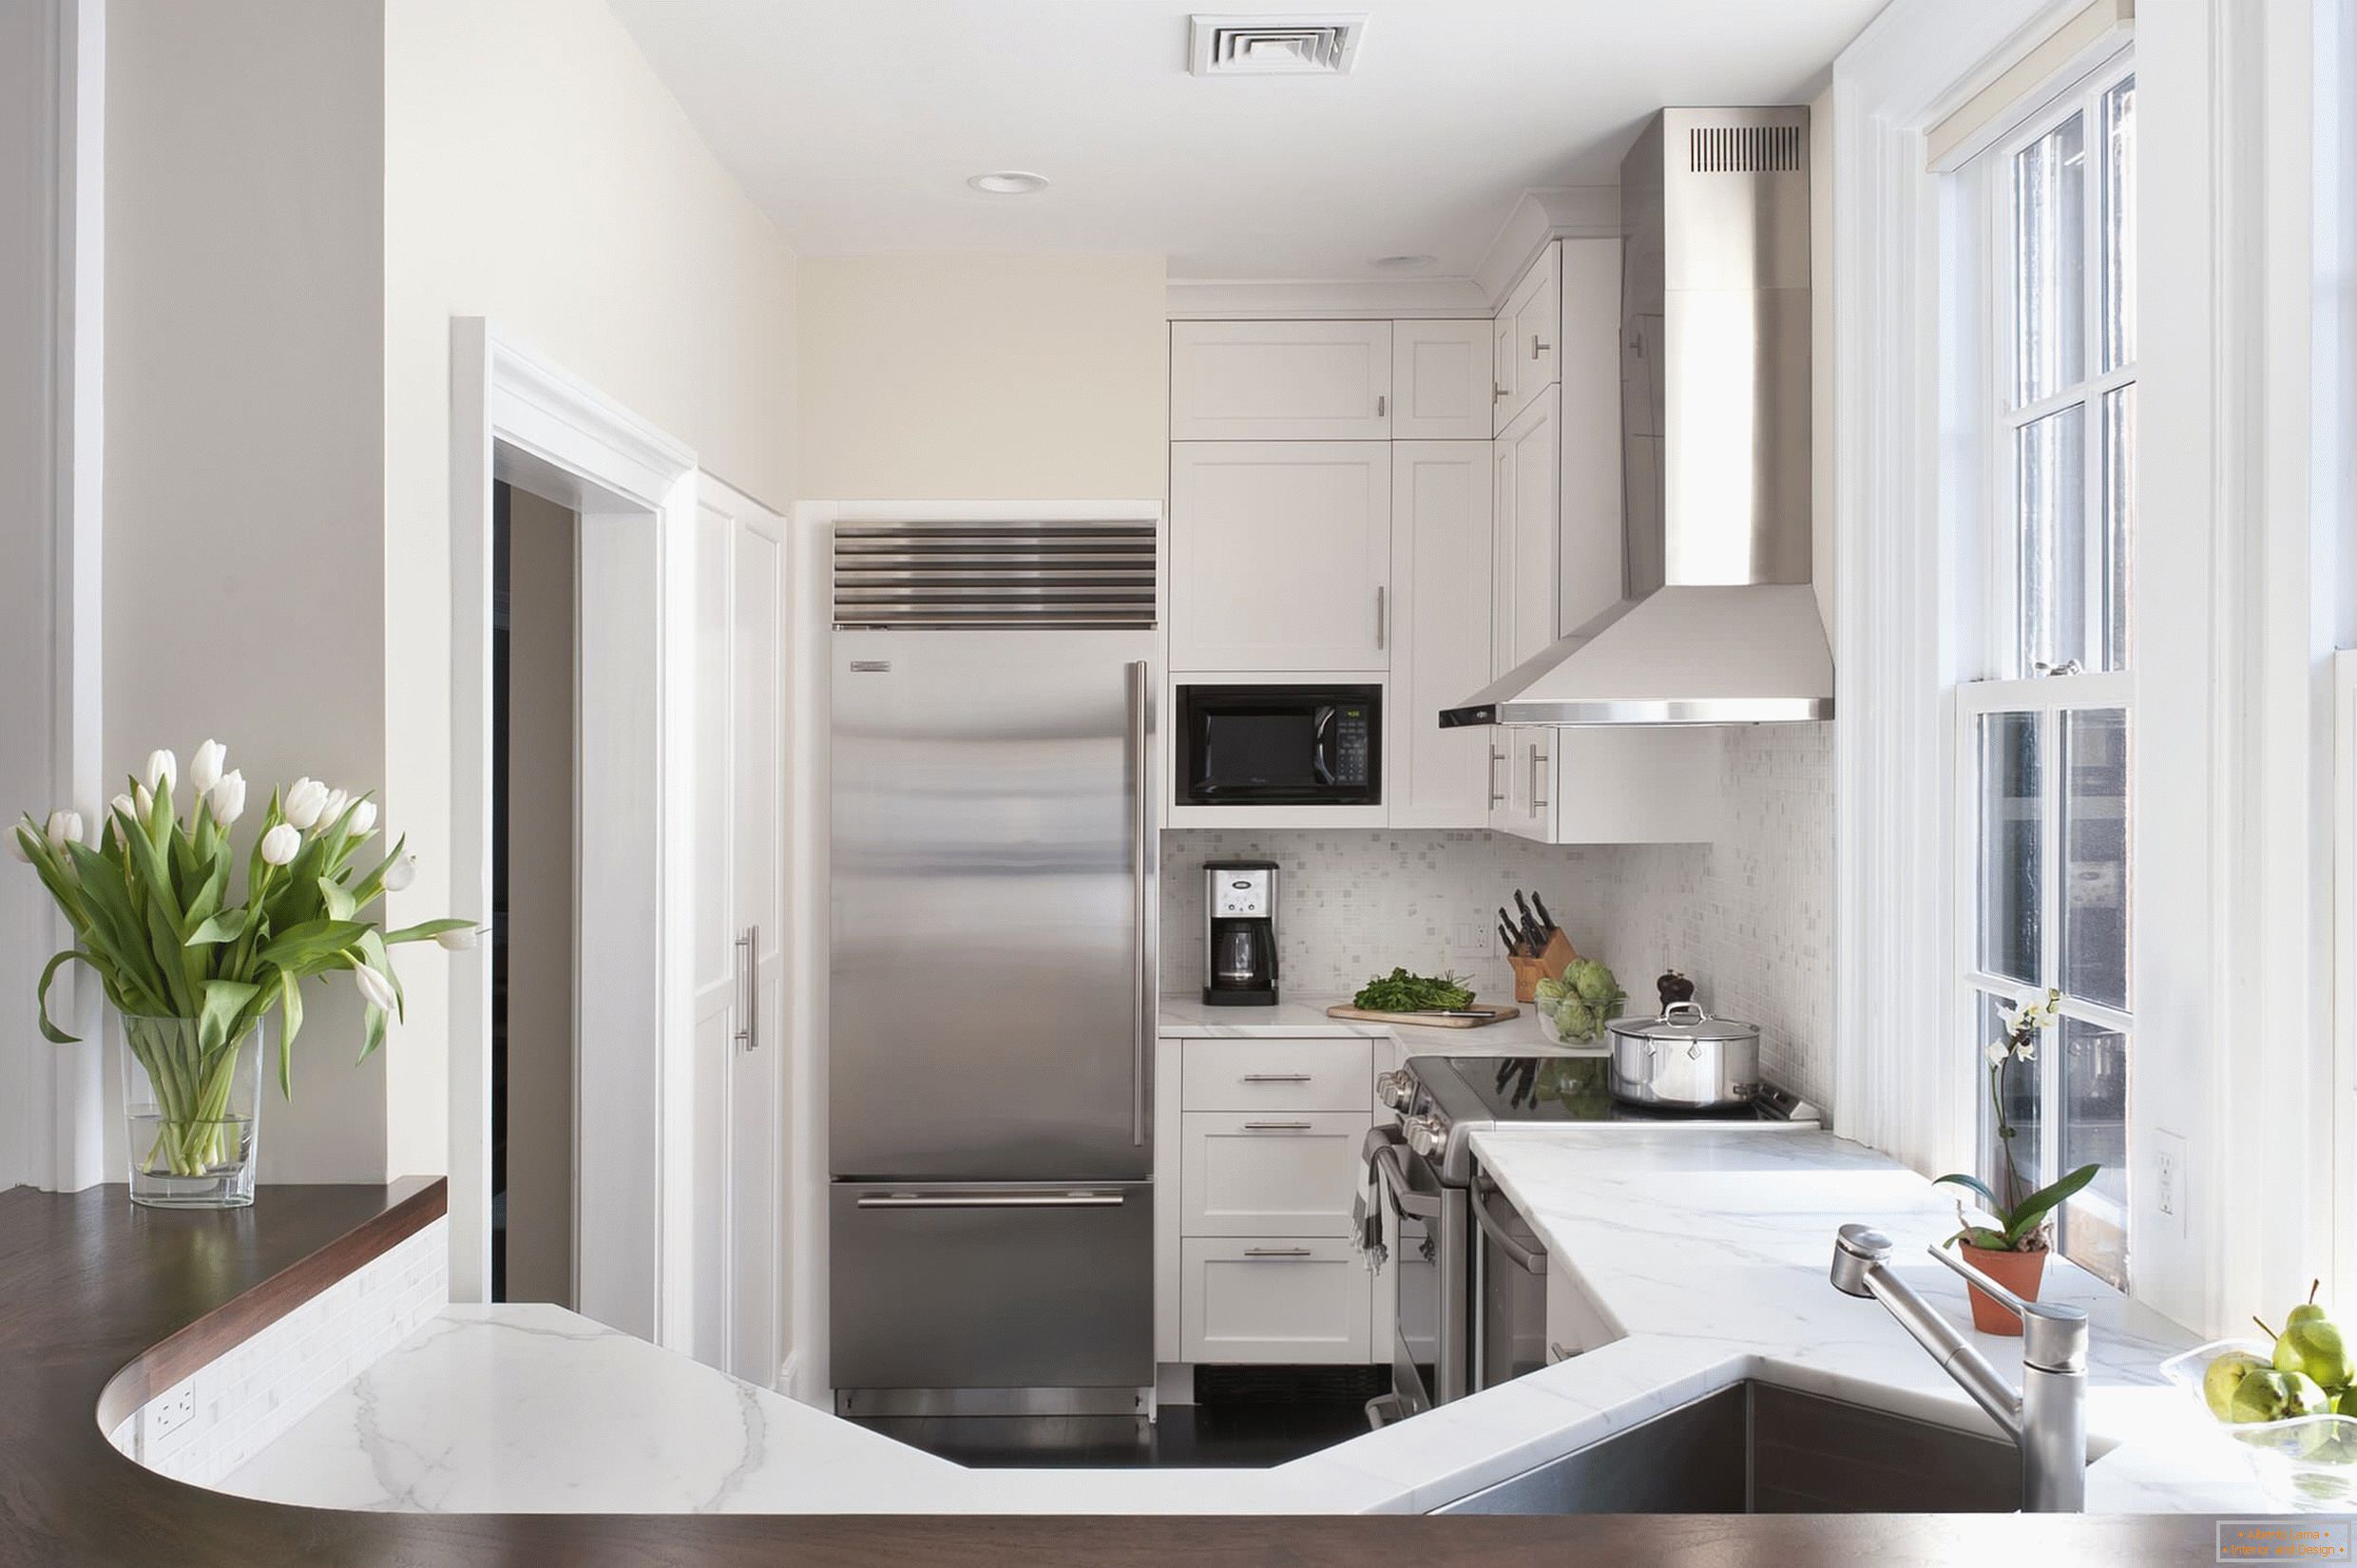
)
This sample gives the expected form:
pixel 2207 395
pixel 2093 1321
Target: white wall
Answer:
pixel 536 172
pixel 984 377
pixel 244 561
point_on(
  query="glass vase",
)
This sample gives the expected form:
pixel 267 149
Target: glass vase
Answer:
pixel 193 1114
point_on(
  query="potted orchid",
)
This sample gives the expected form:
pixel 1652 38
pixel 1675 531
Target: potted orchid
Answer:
pixel 196 978
pixel 2012 1249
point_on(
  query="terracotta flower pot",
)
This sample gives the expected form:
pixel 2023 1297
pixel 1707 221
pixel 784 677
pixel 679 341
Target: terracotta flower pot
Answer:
pixel 2016 1271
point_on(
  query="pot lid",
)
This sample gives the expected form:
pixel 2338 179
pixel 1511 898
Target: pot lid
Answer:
pixel 1683 1020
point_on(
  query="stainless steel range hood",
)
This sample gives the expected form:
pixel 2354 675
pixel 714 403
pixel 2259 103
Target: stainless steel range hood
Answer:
pixel 1718 623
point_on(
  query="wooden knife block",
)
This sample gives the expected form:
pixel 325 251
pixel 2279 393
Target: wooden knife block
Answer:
pixel 1552 961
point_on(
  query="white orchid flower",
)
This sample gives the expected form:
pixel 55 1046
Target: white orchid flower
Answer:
pixel 363 817
pixel 227 798
pixel 204 768
pixel 1996 1052
pixel 401 873
pixel 2026 1051
pixel 280 845
pixel 458 941
pixel 375 989
pixel 163 770
pixel 63 828
pixel 305 799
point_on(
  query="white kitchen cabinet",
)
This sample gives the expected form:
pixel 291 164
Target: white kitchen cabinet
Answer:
pixel 1280 555
pixel 1281 380
pixel 1642 785
pixel 1269 1174
pixel 1527 546
pixel 1441 381
pixel 1262 1073
pixel 1574 1325
pixel 1298 1300
pixel 1524 338
pixel 740 936
pixel 1442 539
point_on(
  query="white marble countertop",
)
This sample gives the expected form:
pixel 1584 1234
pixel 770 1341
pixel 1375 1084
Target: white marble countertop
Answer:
pixel 1304 1017
pixel 1705 1249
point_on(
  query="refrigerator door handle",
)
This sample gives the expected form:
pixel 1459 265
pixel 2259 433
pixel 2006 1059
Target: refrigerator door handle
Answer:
pixel 1141 828
pixel 1012 1200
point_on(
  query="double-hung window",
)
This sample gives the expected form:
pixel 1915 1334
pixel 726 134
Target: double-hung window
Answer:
pixel 2045 733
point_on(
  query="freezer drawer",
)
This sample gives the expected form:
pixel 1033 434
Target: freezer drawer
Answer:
pixel 992 1285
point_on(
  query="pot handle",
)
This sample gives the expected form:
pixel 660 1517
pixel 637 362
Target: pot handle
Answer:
pixel 1688 1012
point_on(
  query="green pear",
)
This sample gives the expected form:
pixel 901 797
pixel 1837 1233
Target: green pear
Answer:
pixel 2345 1403
pixel 2270 1394
pixel 2224 1376
pixel 2314 1345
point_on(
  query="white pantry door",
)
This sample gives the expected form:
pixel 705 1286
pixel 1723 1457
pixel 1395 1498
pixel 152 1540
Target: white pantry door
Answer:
pixel 739 938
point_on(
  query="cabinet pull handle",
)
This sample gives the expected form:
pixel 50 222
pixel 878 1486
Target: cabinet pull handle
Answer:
pixel 1496 391
pixel 1497 795
pixel 1383 617
pixel 1538 766
pixel 1382 405
pixel 1557 1352
pixel 1277 1127
pixel 1276 1077
pixel 1536 348
pixel 1277 1252
pixel 748 987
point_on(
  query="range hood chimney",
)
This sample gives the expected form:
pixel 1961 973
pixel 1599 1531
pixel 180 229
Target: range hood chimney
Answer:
pixel 1718 623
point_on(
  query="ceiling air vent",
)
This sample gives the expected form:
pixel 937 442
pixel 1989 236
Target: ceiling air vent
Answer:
pixel 1273 45
pixel 1743 149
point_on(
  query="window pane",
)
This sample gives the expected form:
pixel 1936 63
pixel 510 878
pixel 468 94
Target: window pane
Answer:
pixel 2120 226
pixel 2118 520
pixel 2050 263
pixel 2012 846
pixel 2050 514
pixel 2095 1131
pixel 2017 1088
pixel 2095 855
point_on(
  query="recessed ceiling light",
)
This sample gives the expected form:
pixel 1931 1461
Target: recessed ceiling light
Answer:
pixel 1009 183
pixel 1403 263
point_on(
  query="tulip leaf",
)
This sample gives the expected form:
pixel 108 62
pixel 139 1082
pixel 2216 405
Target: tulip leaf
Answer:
pixel 223 1000
pixel 375 1034
pixel 49 1031
pixel 336 899
pixel 308 946
pixel 291 1002
pixel 425 931
pixel 227 927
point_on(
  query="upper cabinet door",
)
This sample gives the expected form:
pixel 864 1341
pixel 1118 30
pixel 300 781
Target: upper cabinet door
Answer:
pixel 1280 555
pixel 1589 527
pixel 1440 373
pixel 1281 380
pixel 1525 351
pixel 1529 457
pixel 1441 546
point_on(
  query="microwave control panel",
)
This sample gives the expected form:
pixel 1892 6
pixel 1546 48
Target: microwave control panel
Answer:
pixel 1351 745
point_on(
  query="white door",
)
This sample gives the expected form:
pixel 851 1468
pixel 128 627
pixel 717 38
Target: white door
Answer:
pixel 1441 585
pixel 1502 402
pixel 1281 380
pixel 1588 532
pixel 1528 469
pixel 1528 783
pixel 1440 378
pixel 1533 312
pixel 1280 555
pixel 740 933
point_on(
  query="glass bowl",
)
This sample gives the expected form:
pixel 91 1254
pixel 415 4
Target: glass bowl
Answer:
pixel 2308 1462
pixel 1556 1033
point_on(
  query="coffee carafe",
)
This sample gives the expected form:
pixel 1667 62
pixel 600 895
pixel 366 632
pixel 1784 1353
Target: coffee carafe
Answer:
pixel 1239 933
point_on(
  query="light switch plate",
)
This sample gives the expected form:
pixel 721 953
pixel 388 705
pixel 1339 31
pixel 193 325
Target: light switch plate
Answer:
pixel 2168 1178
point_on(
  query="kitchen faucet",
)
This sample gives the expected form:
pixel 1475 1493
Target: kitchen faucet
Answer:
pixel 2047 1420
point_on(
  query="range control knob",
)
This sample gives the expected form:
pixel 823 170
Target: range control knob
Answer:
pixel 1396 1089
pixel 1427 1136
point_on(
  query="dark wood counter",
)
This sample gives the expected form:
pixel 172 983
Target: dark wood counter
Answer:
pixel 101 1303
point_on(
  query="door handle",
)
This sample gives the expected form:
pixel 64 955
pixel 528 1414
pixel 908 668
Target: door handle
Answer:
pixel 748 987
pixel 1538 768
pixel 1277 1252
pixel 1529 1260
pixel 1277 1127
pixel 1497 755
pixel 1496 391
pixel 1276 1077
pixel 1382 405
pixel 1140 966
pixel 1012 1200
pixel 1405 1200
pixel 1382 616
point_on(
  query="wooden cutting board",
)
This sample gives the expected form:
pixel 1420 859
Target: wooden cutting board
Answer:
pixel 1496 1012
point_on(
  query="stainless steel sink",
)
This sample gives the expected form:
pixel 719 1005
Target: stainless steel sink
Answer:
pixel 1756 1448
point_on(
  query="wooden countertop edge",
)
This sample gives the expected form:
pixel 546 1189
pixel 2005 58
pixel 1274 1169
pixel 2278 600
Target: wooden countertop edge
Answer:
pixel 413 1204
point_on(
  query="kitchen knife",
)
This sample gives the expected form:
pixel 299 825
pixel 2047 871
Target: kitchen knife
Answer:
pixel 1513 943
pixel 1532 934
pixel 1511 932
pixel 1546 919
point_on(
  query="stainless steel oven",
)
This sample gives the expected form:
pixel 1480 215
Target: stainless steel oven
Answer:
pixel 1427 1237
pixel 1509 1291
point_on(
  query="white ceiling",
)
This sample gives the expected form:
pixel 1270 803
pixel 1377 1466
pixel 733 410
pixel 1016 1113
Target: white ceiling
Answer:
pixel 856 122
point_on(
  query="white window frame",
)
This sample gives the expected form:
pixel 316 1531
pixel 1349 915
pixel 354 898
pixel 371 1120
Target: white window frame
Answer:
pixel 1982 296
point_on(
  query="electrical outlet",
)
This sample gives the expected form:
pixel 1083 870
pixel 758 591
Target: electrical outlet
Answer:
pixel 163 1415
pixel 1472 936
pixel 2169 1175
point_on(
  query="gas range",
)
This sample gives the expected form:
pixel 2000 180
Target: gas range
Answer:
pixel 1442 1100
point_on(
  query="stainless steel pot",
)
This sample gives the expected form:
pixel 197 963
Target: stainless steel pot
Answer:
pixel 1684 1059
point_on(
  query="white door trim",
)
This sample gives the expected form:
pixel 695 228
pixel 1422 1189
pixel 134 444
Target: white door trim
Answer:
pixel 517 417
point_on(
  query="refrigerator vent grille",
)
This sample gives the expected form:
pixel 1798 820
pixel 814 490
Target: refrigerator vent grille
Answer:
pixel 1743 149
pixel 943 575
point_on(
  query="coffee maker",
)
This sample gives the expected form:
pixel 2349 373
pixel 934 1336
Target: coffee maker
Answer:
pixel 1239 933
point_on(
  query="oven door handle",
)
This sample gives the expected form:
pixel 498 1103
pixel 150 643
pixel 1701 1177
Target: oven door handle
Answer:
pixel 1405 1200
pixel 1531 1260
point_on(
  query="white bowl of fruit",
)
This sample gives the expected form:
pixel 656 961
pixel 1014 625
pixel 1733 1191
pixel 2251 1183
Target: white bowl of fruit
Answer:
pixel 2291 1403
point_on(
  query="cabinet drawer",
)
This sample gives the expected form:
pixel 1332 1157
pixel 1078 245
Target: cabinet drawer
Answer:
pixel 1275 1075
pixel 1268 1174
pixel 1298 1300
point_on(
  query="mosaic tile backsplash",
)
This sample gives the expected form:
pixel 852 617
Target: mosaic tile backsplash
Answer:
pixel 1749 917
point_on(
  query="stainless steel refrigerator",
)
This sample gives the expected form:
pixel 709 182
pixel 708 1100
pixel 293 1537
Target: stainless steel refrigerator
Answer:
pixel 992 1005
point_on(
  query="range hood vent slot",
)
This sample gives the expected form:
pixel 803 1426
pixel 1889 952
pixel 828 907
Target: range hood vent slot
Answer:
pixel 1273 45
pixel 1743 149
pixel 943 575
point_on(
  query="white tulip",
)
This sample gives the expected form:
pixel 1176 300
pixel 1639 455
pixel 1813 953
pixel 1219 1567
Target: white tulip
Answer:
pixel 17 845
pixel 459 941
pixel 63 828
pixel 163 770
pixel 364 816
pixel 123 804
pixel 375 989
pixel 143 801
pixel 401 873
pixel 333 807
pixel 227 797
pixel 305 799
pixel 205 769
pixel 280 845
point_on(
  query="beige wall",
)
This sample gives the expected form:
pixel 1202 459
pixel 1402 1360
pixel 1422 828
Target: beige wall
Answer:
pixel 983 376
pixel 244 542
pixel 537 173
pixel 541 806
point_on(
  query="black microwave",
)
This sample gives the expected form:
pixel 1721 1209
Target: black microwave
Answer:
pixel 1279 745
